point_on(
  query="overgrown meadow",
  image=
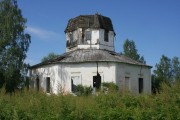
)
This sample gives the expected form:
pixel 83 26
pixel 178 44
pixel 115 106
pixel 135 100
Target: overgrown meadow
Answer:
pixel 28 105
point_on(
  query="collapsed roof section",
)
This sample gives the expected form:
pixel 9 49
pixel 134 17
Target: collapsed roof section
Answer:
pixel 89 21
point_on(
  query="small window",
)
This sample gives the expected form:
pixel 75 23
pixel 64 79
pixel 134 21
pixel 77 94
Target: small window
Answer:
pixel 140 85
pixel 106 37
pixel 88 35
pixel 48 84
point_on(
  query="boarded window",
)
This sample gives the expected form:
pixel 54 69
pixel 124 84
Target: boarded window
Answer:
pixel 48 84
pixel 75 81
pixel 140 85
pixel 127 83
pixel 106 36
pixel 87 35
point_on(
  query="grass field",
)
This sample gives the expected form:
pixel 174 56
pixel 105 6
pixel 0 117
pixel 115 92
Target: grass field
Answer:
pixel 28 105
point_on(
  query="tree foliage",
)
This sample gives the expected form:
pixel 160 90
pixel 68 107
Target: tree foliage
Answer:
pixel 131 51
pixel 49 56
pixel 14 44
pixel 164 69
pixel 167 71
pixel 176 68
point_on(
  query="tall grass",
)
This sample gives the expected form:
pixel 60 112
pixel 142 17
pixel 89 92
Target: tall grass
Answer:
pixel 31 104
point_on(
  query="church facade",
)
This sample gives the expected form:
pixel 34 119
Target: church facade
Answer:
pixel 90 59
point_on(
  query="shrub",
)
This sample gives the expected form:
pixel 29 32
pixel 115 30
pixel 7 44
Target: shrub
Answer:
pixel 38 105
pixel 83 90
pixel 109 87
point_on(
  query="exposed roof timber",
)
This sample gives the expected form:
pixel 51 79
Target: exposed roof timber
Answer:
pixel 89 21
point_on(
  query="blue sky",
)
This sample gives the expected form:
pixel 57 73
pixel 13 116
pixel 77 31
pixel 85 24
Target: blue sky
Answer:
pixel 154 25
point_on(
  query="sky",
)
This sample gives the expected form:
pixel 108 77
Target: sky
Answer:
pixel 154 25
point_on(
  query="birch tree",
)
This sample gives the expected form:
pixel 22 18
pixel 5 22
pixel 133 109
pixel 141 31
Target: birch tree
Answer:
pixel 14 44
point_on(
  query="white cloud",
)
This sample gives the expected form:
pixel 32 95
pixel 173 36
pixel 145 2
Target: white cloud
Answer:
pixel 43 34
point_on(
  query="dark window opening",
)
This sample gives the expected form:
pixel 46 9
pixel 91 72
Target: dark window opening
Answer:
pixel 97 81
pixel 71 37
pixel 2 81
pixel 106 37
pixel 27 82
pixel 88 35
pixel 37 83
pixel 48 84
pixel 140 85
pixel 73 87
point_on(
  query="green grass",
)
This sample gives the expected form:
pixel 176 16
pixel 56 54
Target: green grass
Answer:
pixel 28 105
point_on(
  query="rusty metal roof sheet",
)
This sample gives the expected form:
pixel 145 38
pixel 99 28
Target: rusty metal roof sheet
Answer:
pixel 89 21
pixel 90 55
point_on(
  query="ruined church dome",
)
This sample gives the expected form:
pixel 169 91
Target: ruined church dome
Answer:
pixel 96 21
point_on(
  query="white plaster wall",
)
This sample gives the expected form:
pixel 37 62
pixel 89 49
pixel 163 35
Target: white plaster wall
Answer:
pixel 94 36
pixel 43 73
pixel 60 74
pixel 134 73
pixel 88 46
pixel 93 43
pixel 67 36
pixel 96 42
pixel 111 38
pixel 103 47
pixel 75 35
pixel 106 45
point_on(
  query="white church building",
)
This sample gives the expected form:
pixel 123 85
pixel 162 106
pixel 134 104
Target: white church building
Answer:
pixel 90 59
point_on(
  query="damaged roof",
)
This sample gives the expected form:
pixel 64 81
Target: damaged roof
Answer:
pixel 89 21
pixel 90 55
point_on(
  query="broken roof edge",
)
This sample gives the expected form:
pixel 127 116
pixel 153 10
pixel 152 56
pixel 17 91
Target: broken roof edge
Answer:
pixel 89 21
pixel 65 55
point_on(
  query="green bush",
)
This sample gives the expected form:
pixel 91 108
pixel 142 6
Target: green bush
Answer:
pixel 109 87
pixel 83 90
